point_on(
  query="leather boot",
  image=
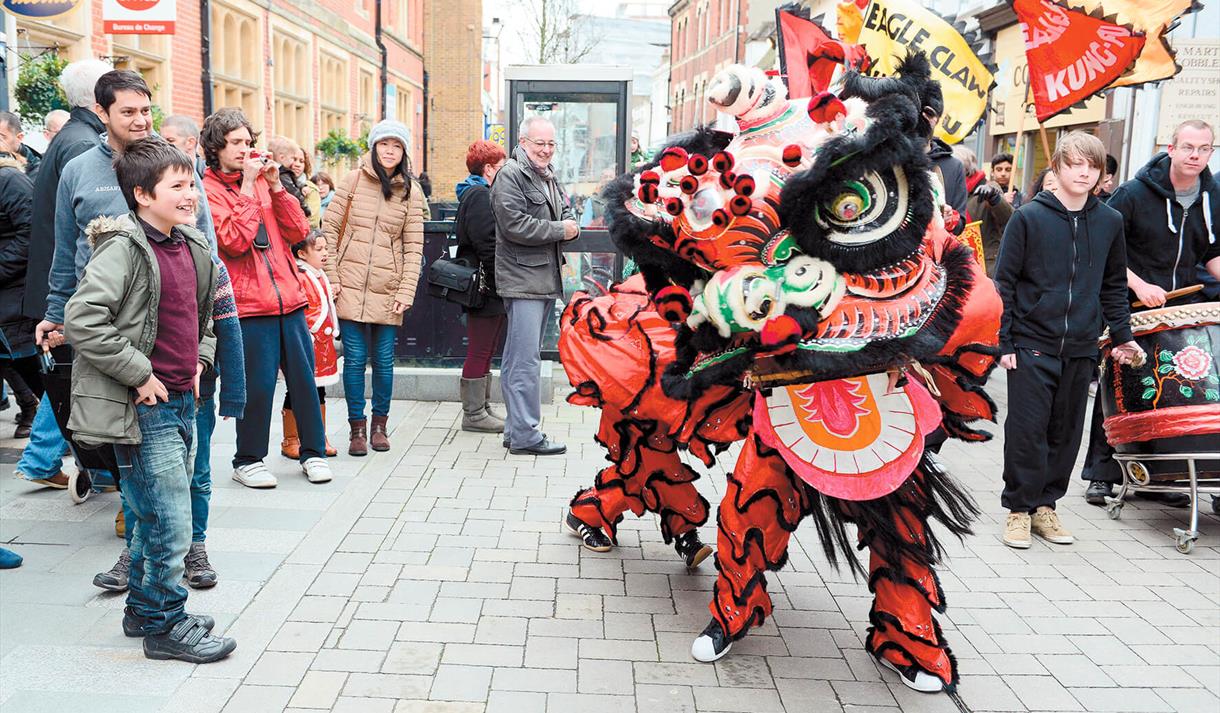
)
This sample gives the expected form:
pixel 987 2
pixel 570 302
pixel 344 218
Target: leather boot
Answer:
pixel 487 398
pixel 475 416
pixel 290 447
pixel 330 450
pixel 378 439
pixel 359 444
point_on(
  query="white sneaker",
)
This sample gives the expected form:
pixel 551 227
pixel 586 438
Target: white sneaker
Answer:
pixel 254 475
pixel 917 680
pixel 317 470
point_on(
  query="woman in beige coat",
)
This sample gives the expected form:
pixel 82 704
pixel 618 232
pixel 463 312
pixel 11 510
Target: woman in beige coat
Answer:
pixel 374 231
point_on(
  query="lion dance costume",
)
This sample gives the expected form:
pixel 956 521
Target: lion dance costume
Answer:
pixel 798 292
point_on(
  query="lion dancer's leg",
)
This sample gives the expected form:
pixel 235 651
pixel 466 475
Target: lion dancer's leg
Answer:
pixel 763 503
pixel 904 635
pixel 646 476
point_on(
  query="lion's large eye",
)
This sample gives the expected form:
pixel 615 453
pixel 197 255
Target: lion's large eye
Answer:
pixel 866 210
pixel 703 204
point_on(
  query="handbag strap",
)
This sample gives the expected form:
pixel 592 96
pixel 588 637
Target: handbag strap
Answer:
pixel 347 211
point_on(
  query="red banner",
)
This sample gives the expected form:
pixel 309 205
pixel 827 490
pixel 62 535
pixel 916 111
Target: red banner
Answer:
pixel 808 56
pixel 1071 55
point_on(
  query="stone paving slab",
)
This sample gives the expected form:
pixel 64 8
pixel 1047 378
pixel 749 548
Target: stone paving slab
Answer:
pixel 436 578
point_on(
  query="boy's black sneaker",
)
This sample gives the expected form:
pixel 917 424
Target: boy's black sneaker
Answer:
pixel 691 549
pixel 592 537
pixel 188 641
pixel 133 625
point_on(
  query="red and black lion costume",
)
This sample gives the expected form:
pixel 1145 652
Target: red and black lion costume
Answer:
pixel 798 292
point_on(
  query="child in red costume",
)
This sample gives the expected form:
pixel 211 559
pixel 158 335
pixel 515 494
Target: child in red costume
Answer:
pixel 323 325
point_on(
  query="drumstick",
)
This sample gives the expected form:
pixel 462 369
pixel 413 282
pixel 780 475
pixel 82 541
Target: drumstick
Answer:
pixel 1173 294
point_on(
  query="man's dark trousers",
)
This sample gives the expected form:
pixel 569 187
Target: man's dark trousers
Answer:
pixel 1047 398
pixel 1099 463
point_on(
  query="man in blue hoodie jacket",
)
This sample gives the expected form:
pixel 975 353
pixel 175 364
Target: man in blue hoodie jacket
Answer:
pixel 1061 273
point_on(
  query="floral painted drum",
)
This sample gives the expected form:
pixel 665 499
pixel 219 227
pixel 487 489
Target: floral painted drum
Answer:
pixel 1171 403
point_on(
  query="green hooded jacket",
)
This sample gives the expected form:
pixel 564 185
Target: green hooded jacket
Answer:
pixel 111 322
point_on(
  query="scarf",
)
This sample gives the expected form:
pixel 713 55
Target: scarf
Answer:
pixel 546 173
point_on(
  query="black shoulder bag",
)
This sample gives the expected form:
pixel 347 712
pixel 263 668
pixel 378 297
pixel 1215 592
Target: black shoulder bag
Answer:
pixel 457 280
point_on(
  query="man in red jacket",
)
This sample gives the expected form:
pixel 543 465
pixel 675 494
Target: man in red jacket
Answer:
pixel 257 223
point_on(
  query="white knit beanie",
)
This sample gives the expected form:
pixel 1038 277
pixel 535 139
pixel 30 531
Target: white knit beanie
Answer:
pixel 390 129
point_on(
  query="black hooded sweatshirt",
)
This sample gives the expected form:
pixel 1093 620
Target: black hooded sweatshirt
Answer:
pixel 1061 276
pixel 1163 245
pixel 953 175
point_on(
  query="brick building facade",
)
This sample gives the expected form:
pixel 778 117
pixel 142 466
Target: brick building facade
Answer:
pixel 454 65
pixel 297 68
pixel 705 37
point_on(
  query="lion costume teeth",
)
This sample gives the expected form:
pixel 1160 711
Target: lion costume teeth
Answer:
pixel 807 258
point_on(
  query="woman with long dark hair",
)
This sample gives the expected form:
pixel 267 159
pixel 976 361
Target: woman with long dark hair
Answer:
pixel 374 230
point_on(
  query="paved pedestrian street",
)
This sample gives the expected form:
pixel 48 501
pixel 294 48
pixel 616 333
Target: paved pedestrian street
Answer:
pixel 436 578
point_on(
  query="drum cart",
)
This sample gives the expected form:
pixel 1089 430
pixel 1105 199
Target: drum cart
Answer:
pixel 1137 477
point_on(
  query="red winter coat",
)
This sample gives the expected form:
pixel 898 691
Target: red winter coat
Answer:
pixel 323 324
pixel 265 282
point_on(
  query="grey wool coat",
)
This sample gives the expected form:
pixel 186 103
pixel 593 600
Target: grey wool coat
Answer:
pixel 529 213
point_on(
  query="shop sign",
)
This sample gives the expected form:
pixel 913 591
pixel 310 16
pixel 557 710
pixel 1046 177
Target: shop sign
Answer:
pixel 139 17
pixel 39 9
pixel 1195 92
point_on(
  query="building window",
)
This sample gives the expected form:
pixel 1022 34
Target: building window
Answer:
pixel 368 104
pixel 403 109
pixel 290 73
pixel 334 93
pixel 402 18
pixel 146 55
pixel 236 62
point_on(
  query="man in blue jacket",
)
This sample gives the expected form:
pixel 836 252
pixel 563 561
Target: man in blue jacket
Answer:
pixel 1061 273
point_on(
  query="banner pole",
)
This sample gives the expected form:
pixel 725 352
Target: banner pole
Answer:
pixel 1019 145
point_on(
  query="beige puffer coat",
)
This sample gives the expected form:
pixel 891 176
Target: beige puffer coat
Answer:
pixel 378 258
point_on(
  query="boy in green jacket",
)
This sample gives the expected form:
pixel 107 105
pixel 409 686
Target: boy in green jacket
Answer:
pixel 141 324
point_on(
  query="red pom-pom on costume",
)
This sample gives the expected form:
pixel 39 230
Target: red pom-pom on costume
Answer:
pixel 792 155
pixel 722 161
pixel 689 184
pixel 673 303
pixel 650 176
pixel 721 217
pixel 673 158
pixel 781 334
pixel 648 193
pixel 673 206
pixel 825 107
pixel 739 205
pixel 727 179
pixel 744 185
pixel 697 164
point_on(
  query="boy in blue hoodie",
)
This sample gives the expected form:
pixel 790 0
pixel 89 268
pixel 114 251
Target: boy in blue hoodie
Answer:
pixel 1061 273
pixel 140 321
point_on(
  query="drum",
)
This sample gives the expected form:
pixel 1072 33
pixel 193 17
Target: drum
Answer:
pixel 1171 403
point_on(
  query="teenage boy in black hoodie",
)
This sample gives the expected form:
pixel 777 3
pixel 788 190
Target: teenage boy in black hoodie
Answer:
pixel 1061 273
pixel 1171 211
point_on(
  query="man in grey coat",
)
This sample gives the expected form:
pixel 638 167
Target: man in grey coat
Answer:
pixel 532 219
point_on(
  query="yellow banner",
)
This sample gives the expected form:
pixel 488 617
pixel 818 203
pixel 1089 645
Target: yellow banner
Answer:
pixel 1150 17
pixel 972 237
pixel 892 28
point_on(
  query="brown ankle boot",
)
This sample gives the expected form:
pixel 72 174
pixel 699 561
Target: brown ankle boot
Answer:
pixel 378 440
pixel 330 450
pixel 290 447
pixel 359 445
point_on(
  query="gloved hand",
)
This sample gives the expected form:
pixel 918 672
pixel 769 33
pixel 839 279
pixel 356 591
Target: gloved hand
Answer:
pixel 989 193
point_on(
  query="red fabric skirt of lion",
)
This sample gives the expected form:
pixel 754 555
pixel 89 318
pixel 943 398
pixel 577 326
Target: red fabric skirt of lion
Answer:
pixel 798 293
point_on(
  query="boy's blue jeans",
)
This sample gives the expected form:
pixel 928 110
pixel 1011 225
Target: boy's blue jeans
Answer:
pixel 156 477
pixel 357 348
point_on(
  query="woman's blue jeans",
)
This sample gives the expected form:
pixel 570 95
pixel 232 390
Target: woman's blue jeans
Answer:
pixel 360 341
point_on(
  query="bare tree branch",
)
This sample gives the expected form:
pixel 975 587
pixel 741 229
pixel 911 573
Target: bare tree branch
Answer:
pixel 554 32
